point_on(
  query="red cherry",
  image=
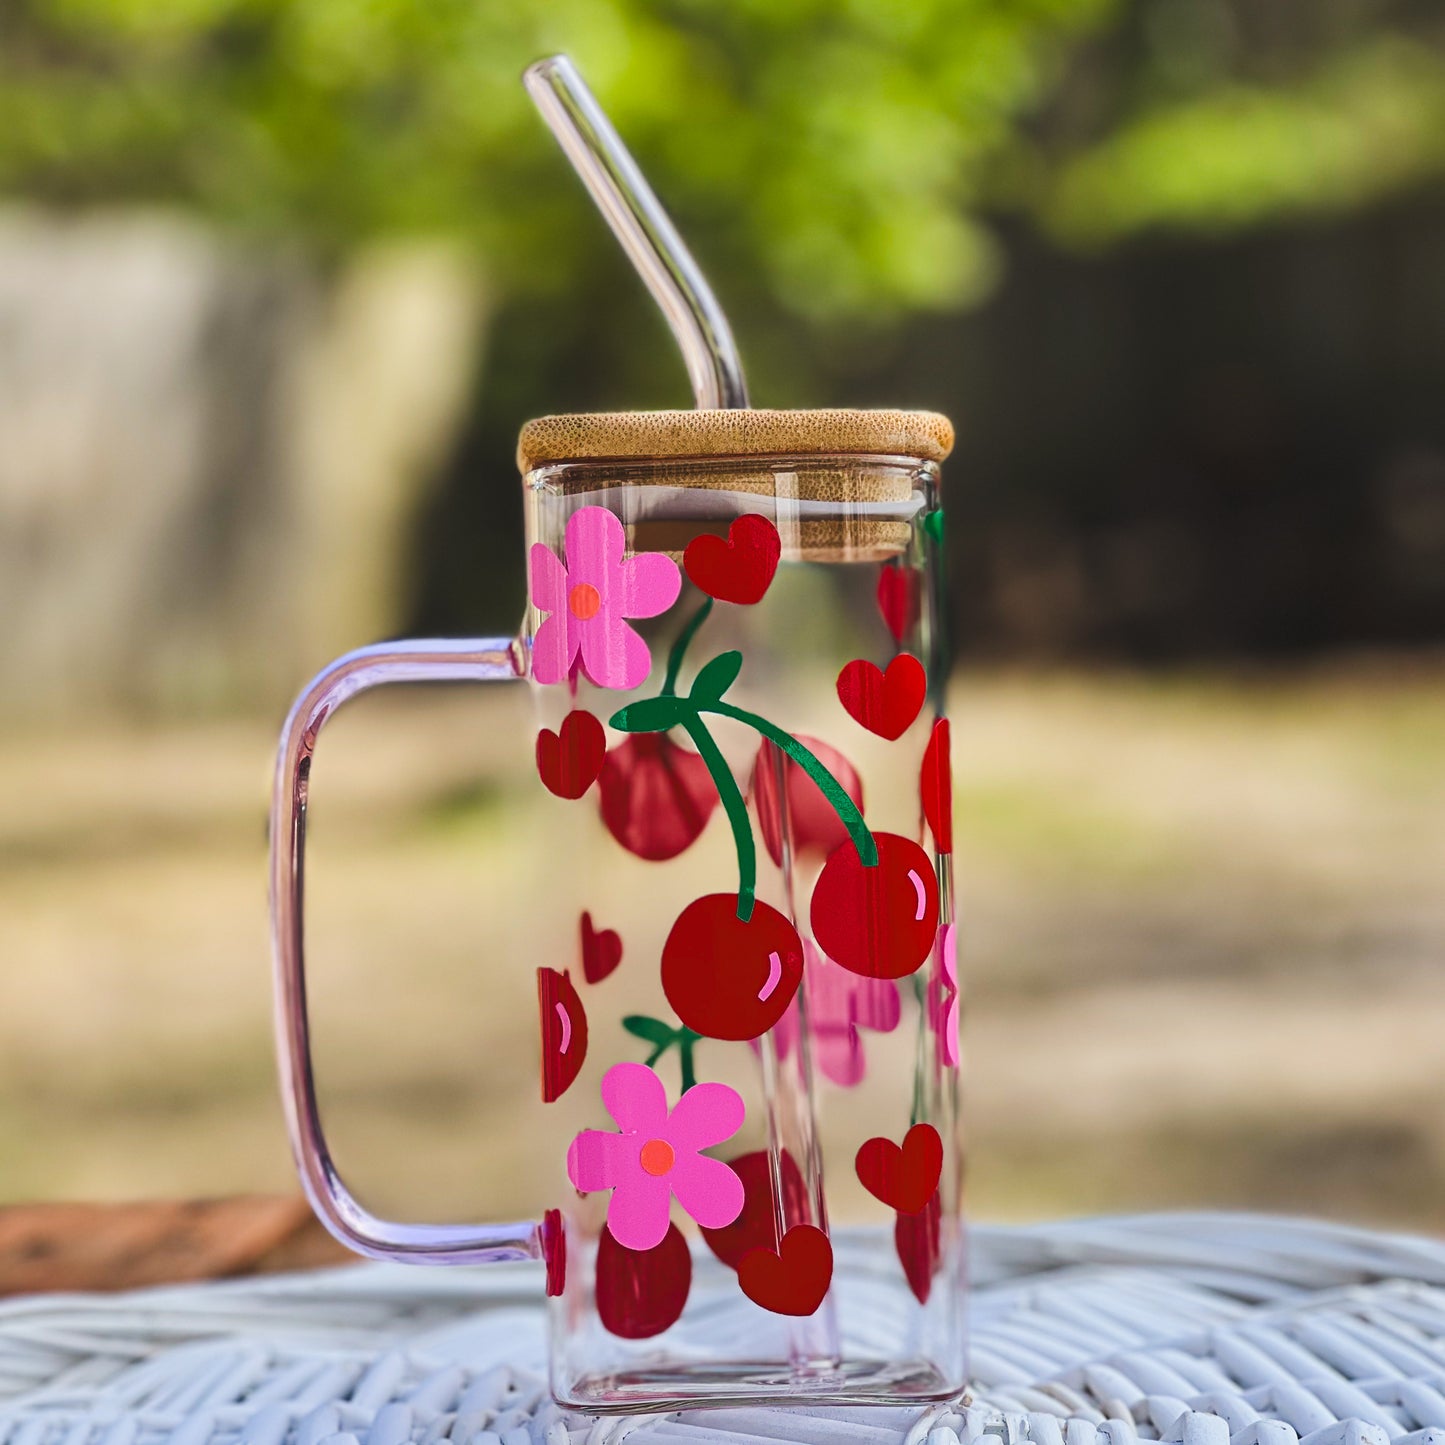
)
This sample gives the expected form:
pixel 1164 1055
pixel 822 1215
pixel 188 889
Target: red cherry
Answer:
pixel 877 921
pixel 916 1238
pixel 813 825
pixel 656 796
pixel 792 1280
pixel 564 1033
pixel 755 1227
pixel 569 760
pixel 554 1251
pixel 641 1292
pixel 739 568
pixel 728 979
pixel 935 786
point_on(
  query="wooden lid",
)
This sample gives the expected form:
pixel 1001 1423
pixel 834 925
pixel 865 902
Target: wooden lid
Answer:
pixel 644 435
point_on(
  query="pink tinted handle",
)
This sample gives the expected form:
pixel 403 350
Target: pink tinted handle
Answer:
pixel 485 660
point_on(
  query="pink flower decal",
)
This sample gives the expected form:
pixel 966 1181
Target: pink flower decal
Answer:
pixel 657 1154
pixel 589 597
pixel 943 1001
pixel 839 1004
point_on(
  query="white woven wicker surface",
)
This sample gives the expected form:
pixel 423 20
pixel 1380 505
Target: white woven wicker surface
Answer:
pixel 1201 1330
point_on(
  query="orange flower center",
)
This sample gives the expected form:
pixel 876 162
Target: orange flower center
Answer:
pixel 583 601
pixel 657 1156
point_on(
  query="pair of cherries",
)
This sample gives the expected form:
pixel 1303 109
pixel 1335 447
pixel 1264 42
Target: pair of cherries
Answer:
pixel 729 978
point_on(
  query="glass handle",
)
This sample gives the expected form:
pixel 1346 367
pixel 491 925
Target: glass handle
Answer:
pixel 469 660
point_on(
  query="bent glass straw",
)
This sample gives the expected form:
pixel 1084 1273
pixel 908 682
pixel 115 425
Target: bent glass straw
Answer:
pixel 637 219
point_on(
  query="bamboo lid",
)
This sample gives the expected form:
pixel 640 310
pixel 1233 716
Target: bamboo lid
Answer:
pixel 839 483
pixel 744 432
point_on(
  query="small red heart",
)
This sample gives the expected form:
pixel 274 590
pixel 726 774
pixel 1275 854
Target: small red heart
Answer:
pixel 898 598
pixel 794 1280
pixel 916 1238
pixel 569 760
pixel 935 787
pixel 883 702
pixel 740 567
pixel 564 1033
pixel 601 950
pixel 904 1179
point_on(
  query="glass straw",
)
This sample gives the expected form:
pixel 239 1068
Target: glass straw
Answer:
pixel 649 238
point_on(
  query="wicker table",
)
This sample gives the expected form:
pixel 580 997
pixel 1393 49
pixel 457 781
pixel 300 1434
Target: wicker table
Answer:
pixel 1201 1330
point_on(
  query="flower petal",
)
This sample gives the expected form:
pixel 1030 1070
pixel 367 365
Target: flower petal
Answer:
pixel 598 1159
pixel 647 585
pixel 705 1115
pixel 549 578
pixel 595 544
pixel 709 1191
pixel 553 649
pixel 635 1098
pixel 637 1212
pixel 613 655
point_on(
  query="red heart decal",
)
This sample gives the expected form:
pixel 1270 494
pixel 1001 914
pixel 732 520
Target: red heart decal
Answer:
pixel 916 1238
pixel 740 567
pixel 794 1280
pixel 935 786
pixel 898 598
pixel 883 702
pixel 564 1033
pixel 904 1179
pixel 569 760
pixel 601 950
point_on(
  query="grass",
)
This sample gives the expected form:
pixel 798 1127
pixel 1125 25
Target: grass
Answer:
pixel 1203 927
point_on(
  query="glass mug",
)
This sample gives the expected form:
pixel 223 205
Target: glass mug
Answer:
pixel 735 637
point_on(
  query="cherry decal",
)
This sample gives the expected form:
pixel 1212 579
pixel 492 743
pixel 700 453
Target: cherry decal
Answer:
pixel 877 921
pixel 814 826
pixel 916 1238
pixel 935 786
pixel 641 1292
pixel 564 1033
pixel 739 568
pixel 883 702
pixel 728 979
pixel 569 760
pixel 898 598
pixel 656 796
pixel 754 1228
pixel 601 950
pixel 904 1179
pixel 554 1252
pixel 793 1280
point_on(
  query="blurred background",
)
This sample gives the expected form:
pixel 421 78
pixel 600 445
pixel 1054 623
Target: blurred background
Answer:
pixel 281 279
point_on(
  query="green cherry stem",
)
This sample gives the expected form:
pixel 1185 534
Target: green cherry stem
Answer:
pixel 828 785
pixel 679 648
pixel 735 806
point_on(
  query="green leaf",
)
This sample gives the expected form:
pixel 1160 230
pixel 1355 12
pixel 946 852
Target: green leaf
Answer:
pixel 651 715
pixel 653 1030
pixel 715 679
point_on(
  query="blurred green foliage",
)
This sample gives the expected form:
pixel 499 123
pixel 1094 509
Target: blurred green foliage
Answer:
pixel 840 151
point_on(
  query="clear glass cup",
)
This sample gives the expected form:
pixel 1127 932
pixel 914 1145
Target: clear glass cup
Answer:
pixel 738 664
